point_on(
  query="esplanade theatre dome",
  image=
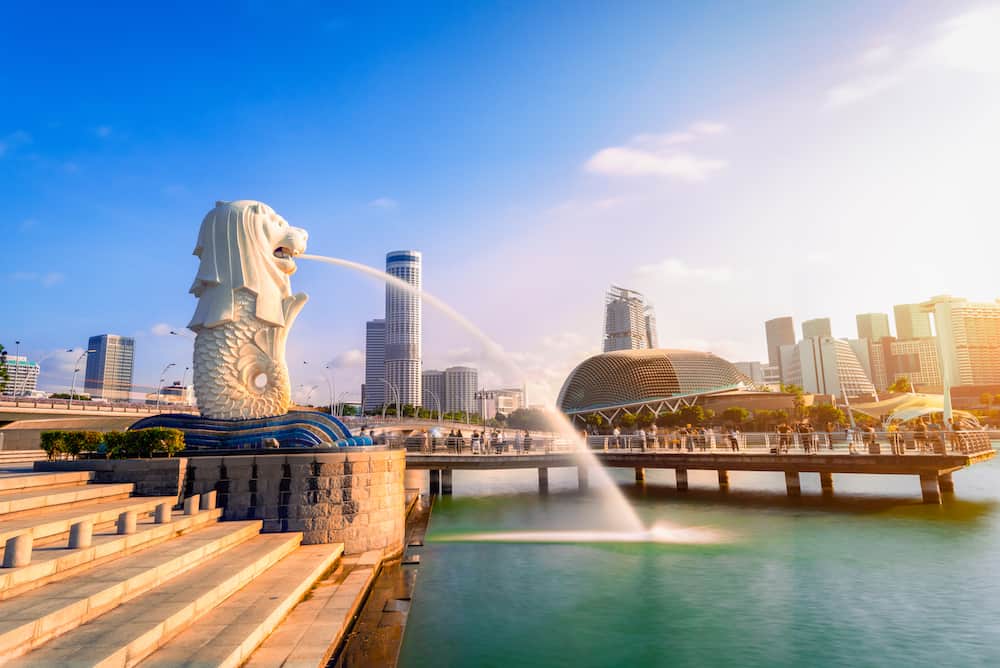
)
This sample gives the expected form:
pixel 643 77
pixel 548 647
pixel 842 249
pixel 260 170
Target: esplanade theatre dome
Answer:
pixel 630 377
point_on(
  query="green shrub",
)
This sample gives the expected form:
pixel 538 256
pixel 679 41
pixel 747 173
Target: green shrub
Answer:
pixel 114 442
pixel 52 443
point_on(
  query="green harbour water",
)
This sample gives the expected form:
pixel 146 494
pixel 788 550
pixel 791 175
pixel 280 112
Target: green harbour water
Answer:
pixel 872 577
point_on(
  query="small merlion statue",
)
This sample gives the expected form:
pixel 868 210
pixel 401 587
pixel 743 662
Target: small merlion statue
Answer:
pixel 245 309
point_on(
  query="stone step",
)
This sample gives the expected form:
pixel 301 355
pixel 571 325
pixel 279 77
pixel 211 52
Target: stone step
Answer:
pixel 46 522
pixel 226 636
pixel 129 633
pixel 37 616
pixel 20 481
pixel 311 633
pixel 19 456
pixel 33 499
pixel 52 560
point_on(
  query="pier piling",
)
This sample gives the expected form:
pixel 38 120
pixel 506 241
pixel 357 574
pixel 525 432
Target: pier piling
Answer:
pixel 543 481
pixel 792 483
pixel 681 476
pixel 929 487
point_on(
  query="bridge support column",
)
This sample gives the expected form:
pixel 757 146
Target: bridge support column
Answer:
pixel 946 483
pixel 826 483
pixel 640 474
pixel 582 477
pixel 543 481
pixel 446 477
pixel 792 484
pixel 724 480
pixel 929 488
pixel 435 481
pixel 681 476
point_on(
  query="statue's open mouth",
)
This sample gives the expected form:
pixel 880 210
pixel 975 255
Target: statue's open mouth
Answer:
pixel 284 256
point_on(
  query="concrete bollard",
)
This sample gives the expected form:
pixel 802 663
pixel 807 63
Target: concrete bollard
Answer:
pixel 126 523
pixel 81 534
pixel 17 551
pixel 208 500
pixel 191 504
pixel 163 513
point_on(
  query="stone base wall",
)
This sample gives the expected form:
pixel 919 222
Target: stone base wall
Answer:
pixel 151 477
pixel 352 496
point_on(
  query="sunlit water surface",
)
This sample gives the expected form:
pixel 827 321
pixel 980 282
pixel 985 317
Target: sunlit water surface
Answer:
pixel 871 578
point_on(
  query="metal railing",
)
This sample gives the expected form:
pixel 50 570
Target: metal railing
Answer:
pixel 92 406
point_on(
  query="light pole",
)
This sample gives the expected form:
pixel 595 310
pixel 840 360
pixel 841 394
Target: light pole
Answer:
pixel 330 385
pixel 17 354
pixel 395 393
pixel 340 403
pixel 183 386
pixel 159 387
pixel 438 400
pixel 76 370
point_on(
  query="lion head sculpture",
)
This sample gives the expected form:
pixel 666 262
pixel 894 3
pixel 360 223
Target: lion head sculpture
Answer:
pixel 244 245
pixel 245 309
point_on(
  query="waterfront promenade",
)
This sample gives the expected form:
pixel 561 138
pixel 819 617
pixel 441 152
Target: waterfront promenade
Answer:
pixel 933 463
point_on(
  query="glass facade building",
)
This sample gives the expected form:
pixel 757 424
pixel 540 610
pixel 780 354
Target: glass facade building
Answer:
pixel 110 367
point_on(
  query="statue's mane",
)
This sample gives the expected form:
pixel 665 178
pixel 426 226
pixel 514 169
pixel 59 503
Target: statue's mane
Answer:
pixel 235 256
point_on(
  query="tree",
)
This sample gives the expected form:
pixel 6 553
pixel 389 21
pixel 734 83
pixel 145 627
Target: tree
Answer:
pixel 820 414
pixel 533 419
pixel 735 415
pixel 692 415
pixel 595 421
pixel 4 376
pixel 500 418
pixel 902 385
pixel 644 419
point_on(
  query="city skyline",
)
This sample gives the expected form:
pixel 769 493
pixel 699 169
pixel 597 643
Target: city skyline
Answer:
pixel 98 171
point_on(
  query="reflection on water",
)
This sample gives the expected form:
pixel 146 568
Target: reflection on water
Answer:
pixel 871 577
pixel 661 532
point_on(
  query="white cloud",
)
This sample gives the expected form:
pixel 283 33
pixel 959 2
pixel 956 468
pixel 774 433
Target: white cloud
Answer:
pixel 674 270
pixel 46 280
pixel 348 359
pixel 384 203
pixel 657 155
pixel 969 42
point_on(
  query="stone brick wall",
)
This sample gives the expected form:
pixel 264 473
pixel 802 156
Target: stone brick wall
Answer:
pixel 151 477
pixel 353 496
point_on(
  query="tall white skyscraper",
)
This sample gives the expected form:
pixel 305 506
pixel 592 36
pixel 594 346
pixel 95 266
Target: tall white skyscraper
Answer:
pixel 374 392
pixel 460 389
pixel 403 327
pixel 629 324
pixel 109 368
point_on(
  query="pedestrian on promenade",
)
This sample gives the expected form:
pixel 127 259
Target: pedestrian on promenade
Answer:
pixel 476 447
pixel 517 443
pixel 734 440
pixel 895 442
pixel 617 434
pixel 527 441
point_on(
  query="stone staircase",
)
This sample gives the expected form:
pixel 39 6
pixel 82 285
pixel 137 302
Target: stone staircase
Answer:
pixel 96 577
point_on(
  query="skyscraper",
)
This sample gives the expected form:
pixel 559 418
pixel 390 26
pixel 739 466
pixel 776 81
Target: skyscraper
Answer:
pixel 22 374
pixel 780 332
pixel 873 326
pixel 629 324
pixel 403 327
pixel 912 321
pixel 815 328
pixel 374 390
pixel 110 367
pixel 968 335
pixel 460 389
pixel 432 382
pixel 824 365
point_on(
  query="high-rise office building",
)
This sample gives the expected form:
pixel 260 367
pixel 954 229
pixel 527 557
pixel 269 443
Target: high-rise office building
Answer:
pixel 373 394
pixel 432 387
pixel 460 384
pixel 816 328
pixel 913 321
pixel 752 370
pixel 780 332
pixel 825 365
pixel 110 367
pixel 968 335
pixel 403 326
pixel 22 375
pixel 504 401
pixel 629 324
pixel 873 326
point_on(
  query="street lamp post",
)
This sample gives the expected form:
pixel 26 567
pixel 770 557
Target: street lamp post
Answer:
pixel 183 386
pixel 159 387
pixel 17 354
pixel 395 393
pixel 331 386
pixel 340 403
pixel 438 400
pixel 76 370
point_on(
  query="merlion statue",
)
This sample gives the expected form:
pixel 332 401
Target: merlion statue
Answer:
pixel 245 309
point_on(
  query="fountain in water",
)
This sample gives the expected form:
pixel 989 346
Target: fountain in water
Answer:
pixel 624 512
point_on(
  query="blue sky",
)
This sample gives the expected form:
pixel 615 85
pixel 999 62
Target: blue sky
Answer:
pixel 733 164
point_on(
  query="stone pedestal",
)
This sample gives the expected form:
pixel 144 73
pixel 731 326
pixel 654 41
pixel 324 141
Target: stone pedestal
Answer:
pixel 126 523
pixel 792 483
pixel 81 534
pixel 681 476
pixel 163 513
pixel 17 551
